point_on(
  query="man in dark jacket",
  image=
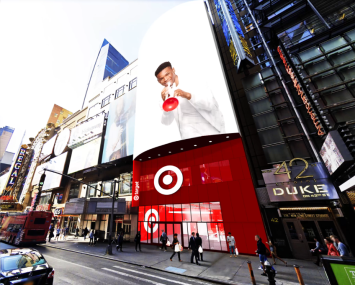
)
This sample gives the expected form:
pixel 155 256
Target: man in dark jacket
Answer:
pixel 120 241
pixel 199 244
pixel 137 240
pixel 163 239
pixel 194 248
pixel 261 251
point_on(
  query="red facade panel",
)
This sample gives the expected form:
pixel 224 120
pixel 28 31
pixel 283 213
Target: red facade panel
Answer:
pixel 217 173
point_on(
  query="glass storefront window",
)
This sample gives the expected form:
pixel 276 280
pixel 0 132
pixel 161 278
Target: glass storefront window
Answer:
pixel 202 231
pixel 186 212
pixel 205 212
pixel 177 212
pixel 216 212
pixel 169 213
pixel 107 188
pixel 213 236
pixel 45 199
pixel 141 213
pixel 195 212
pixel 161 212
pixel 74 191
pixel 222 236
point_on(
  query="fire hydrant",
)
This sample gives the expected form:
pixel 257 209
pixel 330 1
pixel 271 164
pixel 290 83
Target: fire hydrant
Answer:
pixel 270 273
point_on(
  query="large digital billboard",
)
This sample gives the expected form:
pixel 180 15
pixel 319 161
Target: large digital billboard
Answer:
pixel 119 138
pixel 180 67
pixel 47 149
pixel 85 156
pixel 52 180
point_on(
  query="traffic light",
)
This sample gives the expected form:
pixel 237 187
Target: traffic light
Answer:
pixel 41 181
pixel 116 195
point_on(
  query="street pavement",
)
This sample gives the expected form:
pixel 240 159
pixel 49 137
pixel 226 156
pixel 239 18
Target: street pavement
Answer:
pixel 217 268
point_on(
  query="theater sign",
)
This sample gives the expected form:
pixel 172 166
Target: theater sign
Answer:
pixel 302 182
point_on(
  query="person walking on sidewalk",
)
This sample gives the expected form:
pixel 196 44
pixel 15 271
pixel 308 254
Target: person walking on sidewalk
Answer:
pixel 318 250
pixel 163 239
pixel 194 249
pixel 119 241
pixel 176 247
pixel 51 234
pixel 199 244
pixel 273 253
pixel 64 231
pixel 261 251
pixel 96 236
pixel 137 240
pixel 58 233
pixel 342 248
pixel 91 236
pixel 331 248
pixel 231 243
pixel 77 232
pixel 85 232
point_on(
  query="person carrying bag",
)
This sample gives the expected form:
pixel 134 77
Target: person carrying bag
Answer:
pixel 199 246
pixel 177 246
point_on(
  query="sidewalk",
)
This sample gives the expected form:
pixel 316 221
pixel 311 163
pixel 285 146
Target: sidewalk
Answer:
pixel 216 266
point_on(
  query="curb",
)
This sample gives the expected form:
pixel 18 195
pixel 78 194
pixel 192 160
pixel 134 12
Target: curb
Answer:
pixel 137 264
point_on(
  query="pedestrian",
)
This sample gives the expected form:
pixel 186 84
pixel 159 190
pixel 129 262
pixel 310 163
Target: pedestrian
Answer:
pixel 331 248
pixel 176 247
pixel 199 246
pixel 77 232
pixel 137 240
pixel 273 253
pixel 119 241
pixel 163 239
pixel 85 232
pixel 194 249
pixel 96 236
pixel 342 248
pixel 318 250
pixel 91 236
pixel 262 251
pixel 67 231
pixel 64 231
pixel 51 234
pixel 58 233
pixel 334 243
pixel 231 243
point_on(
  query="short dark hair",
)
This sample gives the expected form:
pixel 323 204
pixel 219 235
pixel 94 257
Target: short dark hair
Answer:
pixel 229 233
pixel 162 67
pixel 335 237
pixel 193 233
pixel 197 234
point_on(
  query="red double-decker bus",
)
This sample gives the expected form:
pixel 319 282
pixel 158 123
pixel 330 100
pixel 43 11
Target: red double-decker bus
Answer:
pixel 25 228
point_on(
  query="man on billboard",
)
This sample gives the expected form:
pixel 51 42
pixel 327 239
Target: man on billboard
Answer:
pixel 197 113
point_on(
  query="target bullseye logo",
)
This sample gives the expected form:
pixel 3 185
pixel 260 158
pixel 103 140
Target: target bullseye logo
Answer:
pixel 151 216
pixel 168 180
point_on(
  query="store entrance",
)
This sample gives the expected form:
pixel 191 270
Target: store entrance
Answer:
pixel 301 234
pixel 170 229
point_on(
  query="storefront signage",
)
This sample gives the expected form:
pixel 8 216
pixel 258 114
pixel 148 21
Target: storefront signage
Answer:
pixel 5 207
pixel 74 208
pixel 57 211
pixel 321 189
pixel 303 96
pixel 86 131
pixel 334 152
pixel 169 186
pixel 136 183
pixel 16 169
pixel 8 199
pixel 45 207
pixel 304 215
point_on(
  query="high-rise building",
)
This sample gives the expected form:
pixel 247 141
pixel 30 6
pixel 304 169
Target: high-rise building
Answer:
pixel 58 115
pixel 295 108
pixel 5 137
pixel 108 63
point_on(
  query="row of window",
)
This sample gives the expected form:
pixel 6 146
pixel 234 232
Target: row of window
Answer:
pixel 119 92
pixel 124 187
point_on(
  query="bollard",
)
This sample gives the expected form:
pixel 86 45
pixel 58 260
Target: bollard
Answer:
pixel 299 276
pixel 251 273
pixel 270 273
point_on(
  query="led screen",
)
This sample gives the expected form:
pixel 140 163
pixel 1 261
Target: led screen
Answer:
pixel 179 63
pixel 52 180
pixel 47 148
pixel 119 139
pixel 331 155
pixel 85 156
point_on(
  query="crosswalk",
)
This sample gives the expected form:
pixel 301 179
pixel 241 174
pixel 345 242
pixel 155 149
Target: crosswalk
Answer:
pixel 142 277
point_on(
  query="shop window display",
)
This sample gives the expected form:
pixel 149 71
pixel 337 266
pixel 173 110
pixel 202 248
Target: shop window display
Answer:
pixel 204 218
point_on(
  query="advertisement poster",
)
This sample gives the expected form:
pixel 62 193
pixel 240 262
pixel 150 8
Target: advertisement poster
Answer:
pixel 48 148
pixel 85 156
pixel 180 61
pixel 119 139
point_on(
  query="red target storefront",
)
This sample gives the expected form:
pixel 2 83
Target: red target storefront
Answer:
pixel 201 185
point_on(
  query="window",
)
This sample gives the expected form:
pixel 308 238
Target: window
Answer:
pixel 119 92
pixel 58 121
pixel 133 83
pixel 55 115
pixel 105 101
pixel 40 221
pixel 107 188
pixel 35 232
pixel 45 199
pixel 92 191
pixel 126 184
pixel 74 191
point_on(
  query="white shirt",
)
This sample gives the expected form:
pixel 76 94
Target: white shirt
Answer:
pixel 199 116
pixel 230 240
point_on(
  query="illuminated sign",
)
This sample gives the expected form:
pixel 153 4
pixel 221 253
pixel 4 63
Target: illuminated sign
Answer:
pixel 17 166
pixel 8 199
pixel 58 211
pixel 238 46
pixel 303 96
pixel 45 207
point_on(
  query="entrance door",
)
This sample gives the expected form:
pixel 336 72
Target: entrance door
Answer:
pixel 170 229
pixel 297 239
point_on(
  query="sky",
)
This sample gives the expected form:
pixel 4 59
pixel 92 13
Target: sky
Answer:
pixel 49 48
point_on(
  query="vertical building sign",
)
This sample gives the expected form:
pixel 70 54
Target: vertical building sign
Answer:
pixel 136 183
pixel 17 166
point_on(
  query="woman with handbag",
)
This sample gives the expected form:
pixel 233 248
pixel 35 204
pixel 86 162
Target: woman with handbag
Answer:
pixel 176 248
pixel 199 246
